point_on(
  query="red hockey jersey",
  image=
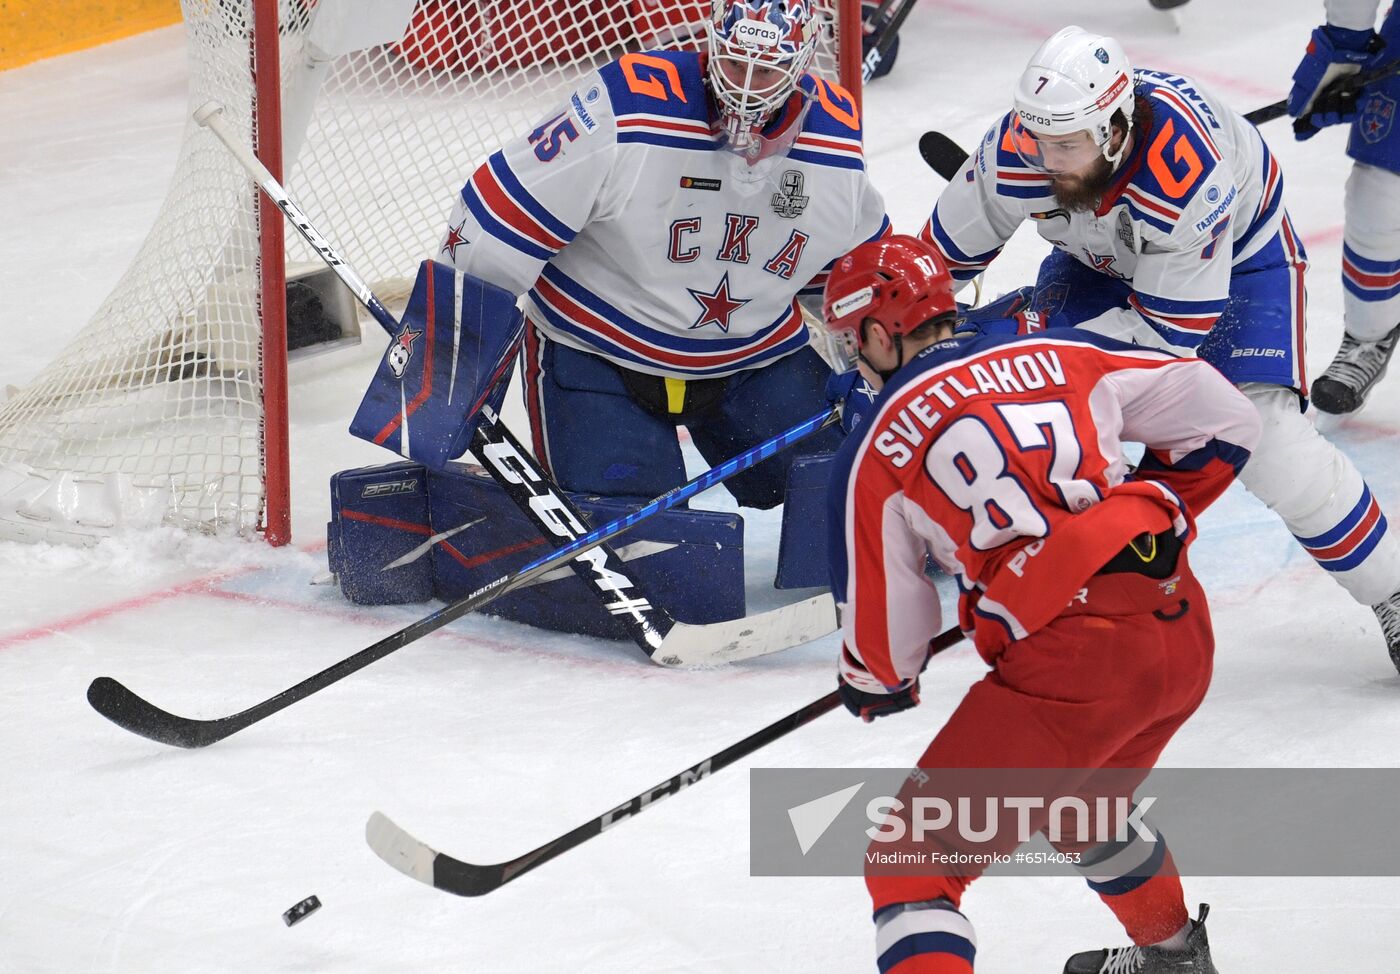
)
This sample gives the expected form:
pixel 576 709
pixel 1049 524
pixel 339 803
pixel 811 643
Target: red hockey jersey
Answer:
pixel 1003 460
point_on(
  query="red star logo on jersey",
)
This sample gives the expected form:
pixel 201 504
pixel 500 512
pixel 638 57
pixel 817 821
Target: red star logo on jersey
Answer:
pixel 716 307
pixel 455 239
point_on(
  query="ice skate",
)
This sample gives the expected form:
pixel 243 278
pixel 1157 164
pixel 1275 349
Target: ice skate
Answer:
pixel 1388 613
pixel 1195 959
pixel 1358 366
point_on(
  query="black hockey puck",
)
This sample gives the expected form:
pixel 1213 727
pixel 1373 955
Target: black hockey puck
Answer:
pixel 301 911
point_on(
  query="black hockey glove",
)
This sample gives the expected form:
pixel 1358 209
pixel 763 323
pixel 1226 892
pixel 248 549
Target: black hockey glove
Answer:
pixel 866 697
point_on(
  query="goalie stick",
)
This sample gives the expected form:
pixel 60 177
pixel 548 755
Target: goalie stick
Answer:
pixel 425 864
pixel 946 157
pixel 541 500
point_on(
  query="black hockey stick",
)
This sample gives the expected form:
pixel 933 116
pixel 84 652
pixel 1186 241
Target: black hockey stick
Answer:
pixel 118 704
pixel 885 29
pixel 425 864
pixel 946 157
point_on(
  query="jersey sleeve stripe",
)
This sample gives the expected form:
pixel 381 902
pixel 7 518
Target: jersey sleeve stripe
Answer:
pixel 501 168
pixel 1175 306
pixel 1189 114
pixel 962 266
pixel 597 306
pixel 509 212
pixel 479 210
pixel 824 158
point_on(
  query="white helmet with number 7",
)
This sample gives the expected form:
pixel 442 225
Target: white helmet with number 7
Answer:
pixel 1076 82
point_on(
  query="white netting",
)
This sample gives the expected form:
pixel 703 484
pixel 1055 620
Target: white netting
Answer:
pixel 154 412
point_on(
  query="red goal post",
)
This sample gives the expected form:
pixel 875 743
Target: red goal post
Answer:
pixel 170 405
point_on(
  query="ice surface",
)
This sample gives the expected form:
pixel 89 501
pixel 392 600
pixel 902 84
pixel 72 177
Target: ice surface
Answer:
pixel 119 855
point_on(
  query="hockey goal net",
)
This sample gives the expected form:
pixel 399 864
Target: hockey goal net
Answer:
pixel 169 406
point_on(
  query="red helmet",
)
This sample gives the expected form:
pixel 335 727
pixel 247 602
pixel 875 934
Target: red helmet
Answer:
pixel 900 281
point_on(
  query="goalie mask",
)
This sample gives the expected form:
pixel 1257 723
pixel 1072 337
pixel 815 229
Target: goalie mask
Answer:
pixel 1073 86
pixel 758 52
pixel 900 282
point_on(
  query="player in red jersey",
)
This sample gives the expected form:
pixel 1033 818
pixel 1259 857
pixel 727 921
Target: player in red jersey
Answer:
pixel 1002 459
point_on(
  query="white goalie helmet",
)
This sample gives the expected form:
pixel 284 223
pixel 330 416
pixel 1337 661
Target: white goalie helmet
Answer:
pixel 1074 83
pixel 758 51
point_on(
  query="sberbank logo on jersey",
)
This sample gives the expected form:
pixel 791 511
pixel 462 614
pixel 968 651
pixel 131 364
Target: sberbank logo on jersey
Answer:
pixel 756 33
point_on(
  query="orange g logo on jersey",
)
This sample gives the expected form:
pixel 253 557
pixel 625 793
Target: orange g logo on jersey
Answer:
pixel 839 103
pixel 634 66
pixel 1173 185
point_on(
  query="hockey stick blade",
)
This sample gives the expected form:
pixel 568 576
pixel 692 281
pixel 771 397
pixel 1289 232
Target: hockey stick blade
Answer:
pixel 125 709
pixel 750 636
pixel 422 862
pixel 942 154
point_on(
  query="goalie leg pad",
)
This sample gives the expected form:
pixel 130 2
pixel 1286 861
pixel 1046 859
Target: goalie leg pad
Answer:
pixel 400 533
pixel 802 559
pixel 378 533
pixel 691 562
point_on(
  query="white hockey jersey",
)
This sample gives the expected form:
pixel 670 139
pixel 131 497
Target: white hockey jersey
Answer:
pixel 1198 195
pixel 1352 14
pixel 639 239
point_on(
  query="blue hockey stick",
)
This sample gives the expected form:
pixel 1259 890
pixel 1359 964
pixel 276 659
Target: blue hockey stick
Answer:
pixel 118 704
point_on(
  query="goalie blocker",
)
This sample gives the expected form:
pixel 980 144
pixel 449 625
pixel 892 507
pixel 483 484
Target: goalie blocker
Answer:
pixel 449 357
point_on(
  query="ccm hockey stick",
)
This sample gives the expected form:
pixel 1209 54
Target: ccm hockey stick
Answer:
pixel 683 644
pixel 946 157
pixel 541 500
pixel 425 864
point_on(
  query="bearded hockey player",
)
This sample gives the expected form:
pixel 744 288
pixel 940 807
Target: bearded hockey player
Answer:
pixel 1165 209
pixel 1001 458
pixel 1348 43
pixel 664 222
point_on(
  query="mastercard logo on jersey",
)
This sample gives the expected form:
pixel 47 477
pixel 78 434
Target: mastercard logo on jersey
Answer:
pixel 700 182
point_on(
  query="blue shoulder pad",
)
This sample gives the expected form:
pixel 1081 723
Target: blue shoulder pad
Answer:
pixel 669 83
pixel 1176 155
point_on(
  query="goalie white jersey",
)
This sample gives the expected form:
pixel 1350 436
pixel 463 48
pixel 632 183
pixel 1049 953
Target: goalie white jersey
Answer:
pixel 1198 197
pixel 641 240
